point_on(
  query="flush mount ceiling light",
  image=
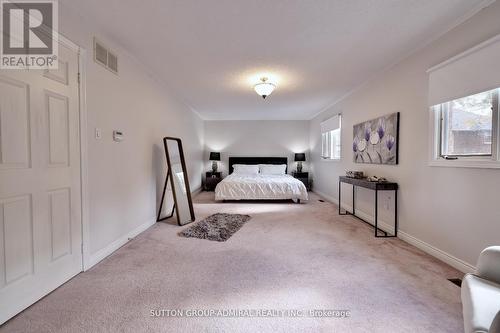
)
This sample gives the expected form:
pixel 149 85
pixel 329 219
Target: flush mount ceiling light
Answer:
pixel 264 88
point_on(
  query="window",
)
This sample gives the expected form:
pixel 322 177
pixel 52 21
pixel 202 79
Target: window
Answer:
pixel 330 138
pixel 467 125
pixel 466 131
pixel 464 124
pixel 331 144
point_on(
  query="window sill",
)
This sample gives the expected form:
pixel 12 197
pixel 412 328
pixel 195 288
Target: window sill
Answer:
pixel 331 159
pixel 466 163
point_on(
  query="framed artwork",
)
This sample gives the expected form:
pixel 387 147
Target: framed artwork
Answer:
pixel 377 141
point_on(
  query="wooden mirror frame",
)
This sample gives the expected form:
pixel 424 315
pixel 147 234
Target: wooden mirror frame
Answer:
pixel 169 175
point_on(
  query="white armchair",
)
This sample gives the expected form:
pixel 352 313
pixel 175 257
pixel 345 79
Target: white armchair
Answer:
pixel 481 294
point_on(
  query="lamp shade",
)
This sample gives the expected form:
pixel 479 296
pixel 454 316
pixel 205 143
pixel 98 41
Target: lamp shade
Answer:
pixel 214 156
pixel 264 88
pixel 300 157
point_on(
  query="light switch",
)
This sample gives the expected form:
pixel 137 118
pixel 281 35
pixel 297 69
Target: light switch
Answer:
pixel 97 133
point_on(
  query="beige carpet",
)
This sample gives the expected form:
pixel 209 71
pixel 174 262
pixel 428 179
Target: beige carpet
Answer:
pixel 288 256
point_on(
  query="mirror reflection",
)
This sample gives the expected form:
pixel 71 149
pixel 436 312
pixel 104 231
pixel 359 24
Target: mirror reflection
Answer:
pixel 179 183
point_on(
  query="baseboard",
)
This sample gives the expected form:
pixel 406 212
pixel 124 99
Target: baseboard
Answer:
pixel 454 262
pixel 327 197
pixel 106 251
pixel 196 191
pixel 427 248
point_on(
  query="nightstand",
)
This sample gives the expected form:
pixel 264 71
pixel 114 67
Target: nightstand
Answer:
pixel 211 180
pixel 303 177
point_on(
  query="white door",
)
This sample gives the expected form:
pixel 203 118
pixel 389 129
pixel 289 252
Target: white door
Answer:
pixel 40 199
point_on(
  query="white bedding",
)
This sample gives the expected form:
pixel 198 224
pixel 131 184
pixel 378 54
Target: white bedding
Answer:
pixel 260 187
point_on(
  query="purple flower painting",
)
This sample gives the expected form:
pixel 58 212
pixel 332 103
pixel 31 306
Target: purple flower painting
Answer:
pixel 389 142
pixel 368 131
pixel 381 128
pixel 376 141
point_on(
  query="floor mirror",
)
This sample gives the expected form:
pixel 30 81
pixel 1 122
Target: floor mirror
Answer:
pixel 177 178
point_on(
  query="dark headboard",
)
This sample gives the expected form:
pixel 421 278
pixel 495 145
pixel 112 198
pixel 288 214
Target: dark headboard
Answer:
pixel 257 160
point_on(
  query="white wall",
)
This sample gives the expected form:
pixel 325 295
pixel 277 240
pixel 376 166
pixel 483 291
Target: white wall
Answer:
pixel 455 210
pixel 256 138
pixel 125 179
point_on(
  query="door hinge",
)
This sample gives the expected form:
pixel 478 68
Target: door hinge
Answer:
pixel 78 78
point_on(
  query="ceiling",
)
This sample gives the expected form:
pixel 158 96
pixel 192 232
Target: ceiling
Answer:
pixel 211 53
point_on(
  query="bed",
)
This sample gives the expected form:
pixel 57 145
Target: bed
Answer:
pixel 241 186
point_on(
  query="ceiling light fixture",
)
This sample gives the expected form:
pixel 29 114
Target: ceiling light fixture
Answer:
pixel 264 88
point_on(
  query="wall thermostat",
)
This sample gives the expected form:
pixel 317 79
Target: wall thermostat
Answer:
pixel 117 136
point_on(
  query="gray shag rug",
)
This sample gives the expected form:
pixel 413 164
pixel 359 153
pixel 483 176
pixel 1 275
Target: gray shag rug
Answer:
pixel 217 227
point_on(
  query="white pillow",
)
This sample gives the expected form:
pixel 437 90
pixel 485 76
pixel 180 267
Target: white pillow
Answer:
pixel 245 169
pixel 272 169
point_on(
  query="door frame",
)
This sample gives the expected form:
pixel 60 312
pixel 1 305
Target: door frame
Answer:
pixel 84 211
pixel 83 137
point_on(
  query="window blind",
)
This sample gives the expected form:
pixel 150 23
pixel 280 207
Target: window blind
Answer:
pixel 330 124
pixel 473 71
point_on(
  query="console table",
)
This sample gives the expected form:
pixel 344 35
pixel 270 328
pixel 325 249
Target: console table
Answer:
pixel 375 186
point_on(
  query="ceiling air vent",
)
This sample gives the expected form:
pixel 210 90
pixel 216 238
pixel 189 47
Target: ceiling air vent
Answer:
pixel 103 56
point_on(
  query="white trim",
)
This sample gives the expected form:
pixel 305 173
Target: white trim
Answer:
pixel 68 43
pixel 84 165
pixel 196 191
pixel 82 96
pixel 445 257
pixel 435 160
pixel 109 249
pixel 327 197
pixel 382 225
pixel 433 138
pixel 404 236
pixel 326 128
pixel 465 163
